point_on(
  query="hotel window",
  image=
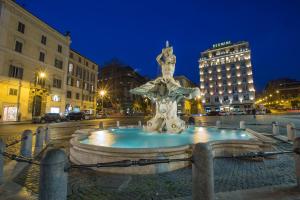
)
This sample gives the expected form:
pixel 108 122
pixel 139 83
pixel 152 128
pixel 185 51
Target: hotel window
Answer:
pixel 234 80
pixel 246 96
pixel 18 46
pixel 44 40
pixel 235 97
pixel 225 98
pixel 217 99
pixel 79 59
pixel 70 68
pixel 207 100
pixel 42 57
pixel 21 27
pixel 87 76
pixel 69 94
pixel 77 96
pixel 77 83
pixel 15 72
pixel 13 92
pixel 56 83
pixel 234 89
pixel 58 63
pixel 87 63
pixel 244 80
pixel 59 48
pixel 83 75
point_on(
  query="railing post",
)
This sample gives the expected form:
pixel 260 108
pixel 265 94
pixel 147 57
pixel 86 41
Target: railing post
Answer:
pixel 39 140
pixel 47 135
pixel 297 159
pixel 26 144
pixel 218 124
pixel 140 123
pixel 291 132
pixel 275 128
pixel 53 178
pixel 242 125
pixel 118 124
pixel 202 172
pixel 101 125
pixel 2 150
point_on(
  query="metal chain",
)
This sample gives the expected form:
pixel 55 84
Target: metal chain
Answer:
pixel 128 163
pixel 16 141
pixel 259 154
pixel 19 158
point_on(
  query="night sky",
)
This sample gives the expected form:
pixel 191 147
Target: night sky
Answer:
pixel 134 31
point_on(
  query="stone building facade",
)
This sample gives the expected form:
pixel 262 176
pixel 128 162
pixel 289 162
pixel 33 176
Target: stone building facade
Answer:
pixel 81 83
pixel 226 79
pixel 118 79
pixel 34 60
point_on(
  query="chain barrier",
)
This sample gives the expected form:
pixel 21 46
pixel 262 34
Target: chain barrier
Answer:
pixel 20 158
pixel 129 163
pixel 259 154
pixel 16 141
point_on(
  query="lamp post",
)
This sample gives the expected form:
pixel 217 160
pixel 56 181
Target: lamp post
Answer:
pixel 40 76
pixel 102 94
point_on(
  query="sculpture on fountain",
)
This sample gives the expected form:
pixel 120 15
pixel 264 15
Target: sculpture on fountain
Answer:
pixel 166 92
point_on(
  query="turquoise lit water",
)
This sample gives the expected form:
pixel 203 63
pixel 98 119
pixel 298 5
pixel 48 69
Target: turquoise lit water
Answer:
pixel 137 138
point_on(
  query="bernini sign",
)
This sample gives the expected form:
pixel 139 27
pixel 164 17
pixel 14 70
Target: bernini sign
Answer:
pixel 221 44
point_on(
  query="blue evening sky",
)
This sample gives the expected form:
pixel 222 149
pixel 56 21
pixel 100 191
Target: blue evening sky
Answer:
pixel 135 31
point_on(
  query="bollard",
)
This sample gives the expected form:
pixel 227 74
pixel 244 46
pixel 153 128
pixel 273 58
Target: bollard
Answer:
pixel 275 128
pixel 118 124
pixel 2 150
pixel 140 124
pixel 47 135
pixel 26 144
pixel 242 125
pixel 202 172
pixel 218 124
pixel 297 159
pixel 39 140
pixel 101 125
pixel 290 129
pixel 53 178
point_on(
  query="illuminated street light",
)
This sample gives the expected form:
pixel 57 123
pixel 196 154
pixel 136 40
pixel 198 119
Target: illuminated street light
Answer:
pixel 102 94
pixel 42 74
pixel 277 91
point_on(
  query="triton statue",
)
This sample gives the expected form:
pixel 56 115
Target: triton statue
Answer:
pixel 166 92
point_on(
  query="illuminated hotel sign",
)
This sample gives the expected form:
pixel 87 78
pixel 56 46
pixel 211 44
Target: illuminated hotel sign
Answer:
pixel 221 44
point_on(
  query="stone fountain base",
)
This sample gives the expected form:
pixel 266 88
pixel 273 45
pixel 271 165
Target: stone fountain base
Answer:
pixel 90 154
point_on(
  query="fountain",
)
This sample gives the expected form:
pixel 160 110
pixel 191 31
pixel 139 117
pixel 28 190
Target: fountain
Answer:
pixel 90 146
pixel 166 93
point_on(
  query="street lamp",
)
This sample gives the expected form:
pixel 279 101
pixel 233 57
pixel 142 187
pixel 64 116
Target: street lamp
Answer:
pixel 102 94
pixel 39 78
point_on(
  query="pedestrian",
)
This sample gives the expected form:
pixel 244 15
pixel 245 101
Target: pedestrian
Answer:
pixel 254 113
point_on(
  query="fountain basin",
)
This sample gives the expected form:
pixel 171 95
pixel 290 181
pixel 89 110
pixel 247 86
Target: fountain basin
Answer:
pixel 90 146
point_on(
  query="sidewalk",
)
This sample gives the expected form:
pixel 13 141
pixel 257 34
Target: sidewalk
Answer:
pixel 15 123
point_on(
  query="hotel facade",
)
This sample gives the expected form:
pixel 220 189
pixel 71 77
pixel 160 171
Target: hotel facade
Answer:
pixel 226 77
pixel 34 61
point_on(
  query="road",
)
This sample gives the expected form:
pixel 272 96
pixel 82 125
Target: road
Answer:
pixel 67 128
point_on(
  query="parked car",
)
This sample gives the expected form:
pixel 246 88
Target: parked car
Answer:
pixel 213 113
pixel 223 113
pixel 48 117
pixel 75 116
pixel 238 112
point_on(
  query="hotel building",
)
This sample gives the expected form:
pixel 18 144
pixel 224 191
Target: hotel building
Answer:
pixel 34 64
pixel 81 83
pixel 226 79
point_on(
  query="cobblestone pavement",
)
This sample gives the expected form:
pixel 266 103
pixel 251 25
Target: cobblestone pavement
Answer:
pixel 230 175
